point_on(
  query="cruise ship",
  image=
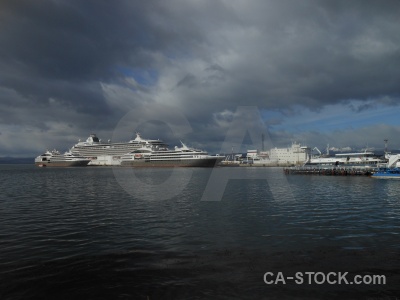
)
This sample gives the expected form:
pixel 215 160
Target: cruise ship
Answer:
pixel 107 153
pixel 55 159
pixel 161 156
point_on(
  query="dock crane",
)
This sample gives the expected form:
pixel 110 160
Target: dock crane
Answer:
pixel 315 148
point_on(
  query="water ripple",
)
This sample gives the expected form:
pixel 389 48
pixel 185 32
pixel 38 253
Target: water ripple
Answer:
pixel 58 223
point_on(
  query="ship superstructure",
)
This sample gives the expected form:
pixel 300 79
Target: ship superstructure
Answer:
pixel 94 147
pixel 56 159
pixel 161 156
pixel 357 159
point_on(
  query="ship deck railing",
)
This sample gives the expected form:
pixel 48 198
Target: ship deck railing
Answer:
pixel 331 170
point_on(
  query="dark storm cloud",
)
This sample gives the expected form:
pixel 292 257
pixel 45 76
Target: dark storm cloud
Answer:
pixel 373 104
pixel 75 40
pixel 63 49
pixel 312 53
pixel 85 63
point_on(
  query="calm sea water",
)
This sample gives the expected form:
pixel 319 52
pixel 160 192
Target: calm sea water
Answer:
pixel 76 233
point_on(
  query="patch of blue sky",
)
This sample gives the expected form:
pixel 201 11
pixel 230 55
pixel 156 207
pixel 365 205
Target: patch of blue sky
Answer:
pixel 334 117
pixel 145 77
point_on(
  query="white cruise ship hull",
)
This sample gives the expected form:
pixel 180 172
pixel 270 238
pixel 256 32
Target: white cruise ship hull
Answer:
pixel 208 162
pixel 54 159
pixel 50 163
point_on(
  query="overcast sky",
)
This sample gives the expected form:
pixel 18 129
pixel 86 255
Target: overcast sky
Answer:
pixel 319 71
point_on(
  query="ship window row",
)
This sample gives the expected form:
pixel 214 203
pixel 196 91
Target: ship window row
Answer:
pixel 172 159
pixel 169 154
pixel 169 157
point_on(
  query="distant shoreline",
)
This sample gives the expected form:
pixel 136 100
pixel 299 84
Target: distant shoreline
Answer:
pixel 16 160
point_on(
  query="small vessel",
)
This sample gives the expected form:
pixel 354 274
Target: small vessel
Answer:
pixel 55 159
pixel 365 159
pixel 390 169
pixel 387 173
pixel 160 156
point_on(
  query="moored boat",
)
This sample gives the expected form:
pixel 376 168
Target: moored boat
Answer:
pixel 387 173
pixel 365 159
pixel 94 147
pixel 109 153
pixel 55 159
pixel 156 156
pixel 390 169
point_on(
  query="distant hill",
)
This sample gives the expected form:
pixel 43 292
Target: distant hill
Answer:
pixel 16 160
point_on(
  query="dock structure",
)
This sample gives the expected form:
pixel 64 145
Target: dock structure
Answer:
pixel 328 171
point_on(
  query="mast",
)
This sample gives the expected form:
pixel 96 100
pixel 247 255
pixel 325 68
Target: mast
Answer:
pixel 262 141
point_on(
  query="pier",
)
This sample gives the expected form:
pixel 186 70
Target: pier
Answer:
pixel 328 171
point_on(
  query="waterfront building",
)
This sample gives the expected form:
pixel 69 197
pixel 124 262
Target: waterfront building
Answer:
pixel 296 154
